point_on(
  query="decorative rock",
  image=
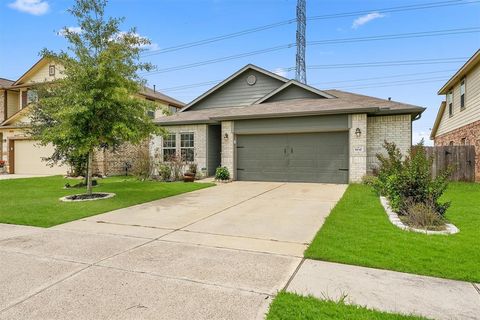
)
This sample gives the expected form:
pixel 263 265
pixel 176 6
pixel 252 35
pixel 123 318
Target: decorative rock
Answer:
pixel 395 220
pixel 106 195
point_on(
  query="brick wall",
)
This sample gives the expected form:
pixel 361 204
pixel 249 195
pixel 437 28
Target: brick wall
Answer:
pixel 397 129
pixel 113 162
pixel 200 144
pixel 471 134
pixel 358 147
pixel 228 147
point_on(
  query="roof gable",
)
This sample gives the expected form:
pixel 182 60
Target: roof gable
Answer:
pixel 39 71
pixel 438 119
pixel 294 90
pixel 462 72
pixel 236 90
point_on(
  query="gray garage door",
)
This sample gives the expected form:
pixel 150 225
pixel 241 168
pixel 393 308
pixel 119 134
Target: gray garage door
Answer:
pixel 303 157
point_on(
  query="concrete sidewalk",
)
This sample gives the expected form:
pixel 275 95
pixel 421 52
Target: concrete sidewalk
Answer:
pixel 388 290
pixel 216 253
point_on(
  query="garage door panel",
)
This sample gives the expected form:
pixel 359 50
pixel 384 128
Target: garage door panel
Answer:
pixel 29 159
pixel 306 157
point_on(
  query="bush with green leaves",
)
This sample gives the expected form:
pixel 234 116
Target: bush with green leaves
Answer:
pixel 408 180
pixel 222 174
pixel 165 172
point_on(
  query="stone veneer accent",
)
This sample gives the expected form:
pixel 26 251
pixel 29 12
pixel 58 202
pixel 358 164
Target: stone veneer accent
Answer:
pixel 111 163
pixel 358 147
pixel 471 134
pixel 395 220
pixel 2 106
pixel 228 147
pixel 200 145
pixel 396 128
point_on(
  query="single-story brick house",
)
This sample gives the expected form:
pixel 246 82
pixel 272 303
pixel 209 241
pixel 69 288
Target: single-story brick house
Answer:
pixel 262 126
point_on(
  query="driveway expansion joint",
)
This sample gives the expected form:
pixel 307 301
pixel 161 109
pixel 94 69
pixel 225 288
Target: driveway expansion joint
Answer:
pixel 186 280
pixel 293 274
pixel 476 287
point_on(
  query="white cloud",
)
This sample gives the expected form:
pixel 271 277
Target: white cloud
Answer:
pixel 281 72
pixel 419 135
pixel 360 21
pixel 71 29
pixel 35 7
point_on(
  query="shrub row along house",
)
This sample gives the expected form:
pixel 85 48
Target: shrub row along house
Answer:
pixel 458 118
pixel 262 126
pixel 24 156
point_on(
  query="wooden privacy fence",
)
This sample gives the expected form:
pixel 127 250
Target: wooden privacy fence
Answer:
pixel 460 158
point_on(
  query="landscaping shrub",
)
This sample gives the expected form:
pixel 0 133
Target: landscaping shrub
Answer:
pixel 222 174
pixel 165 172
pixel 423 216
pixel 406 182
pixel 143 163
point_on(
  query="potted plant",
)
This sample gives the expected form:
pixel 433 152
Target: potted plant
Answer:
pixel 2 166
pixel 189 176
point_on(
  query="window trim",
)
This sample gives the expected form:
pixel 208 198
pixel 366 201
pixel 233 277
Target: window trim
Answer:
pixel 450 103
pixel 51 70
pixel 187 148
pixel 463 83
pixel 174 147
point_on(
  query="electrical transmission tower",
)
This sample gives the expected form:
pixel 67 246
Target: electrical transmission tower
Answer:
pixel 301 73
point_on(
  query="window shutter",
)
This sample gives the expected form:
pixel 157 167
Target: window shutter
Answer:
pixel 24 98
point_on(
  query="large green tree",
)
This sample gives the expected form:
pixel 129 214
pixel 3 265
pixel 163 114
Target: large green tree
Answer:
pixel 95 104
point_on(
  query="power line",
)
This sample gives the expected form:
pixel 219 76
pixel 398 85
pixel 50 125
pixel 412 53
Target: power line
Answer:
pixel 434 33
pixel 393 83
pixel 227 58
pixel 383 77
pixel 205 83
pixel 409 35
pixel 397 81
pixel 387 63
pixel 424 6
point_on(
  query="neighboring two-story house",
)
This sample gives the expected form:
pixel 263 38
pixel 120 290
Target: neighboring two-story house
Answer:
pixel 458 119
pixel 24 155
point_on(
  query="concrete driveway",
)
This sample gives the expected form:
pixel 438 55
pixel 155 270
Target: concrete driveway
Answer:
pixel 216 253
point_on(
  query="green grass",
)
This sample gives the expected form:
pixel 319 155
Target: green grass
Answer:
pixel 289 306
pixel 358 232
pixel 34 201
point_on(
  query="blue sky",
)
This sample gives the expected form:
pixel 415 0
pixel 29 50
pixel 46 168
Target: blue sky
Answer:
pixel 27 26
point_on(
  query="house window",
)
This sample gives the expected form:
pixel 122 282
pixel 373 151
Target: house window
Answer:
pixel 32 96
pixel 169 147
pixel 187 147
pixel 151 114
pixel 450 103
pixel 464 141
pixel 462 94
pixel 51 70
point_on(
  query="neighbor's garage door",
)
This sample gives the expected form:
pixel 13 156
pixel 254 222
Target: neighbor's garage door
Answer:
pixel 28 159
pixel 302 157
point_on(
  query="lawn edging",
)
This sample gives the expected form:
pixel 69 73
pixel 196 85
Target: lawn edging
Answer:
pixel 395 220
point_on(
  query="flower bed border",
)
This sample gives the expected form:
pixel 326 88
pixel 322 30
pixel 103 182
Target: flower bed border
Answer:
pixel 395 220
pixel 108 195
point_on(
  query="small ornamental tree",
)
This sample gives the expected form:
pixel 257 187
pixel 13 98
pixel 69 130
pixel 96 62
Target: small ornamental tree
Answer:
pixel 95 104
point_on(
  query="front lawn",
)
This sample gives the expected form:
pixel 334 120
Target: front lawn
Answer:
pixel 34 201
pixel 289 306
pixel 358 232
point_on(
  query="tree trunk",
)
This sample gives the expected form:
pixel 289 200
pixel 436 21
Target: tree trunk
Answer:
pixel 90 173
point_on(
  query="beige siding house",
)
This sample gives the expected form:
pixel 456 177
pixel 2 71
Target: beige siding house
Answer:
pixel 24 155
pixel 458 118
pixel 262 126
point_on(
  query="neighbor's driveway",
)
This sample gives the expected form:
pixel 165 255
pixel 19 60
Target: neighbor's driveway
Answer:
pixel 216 253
